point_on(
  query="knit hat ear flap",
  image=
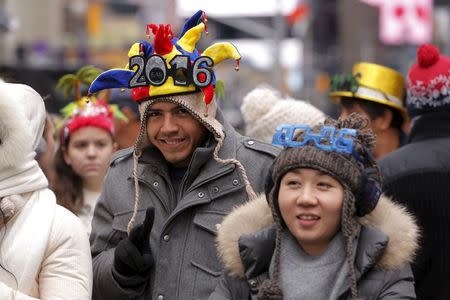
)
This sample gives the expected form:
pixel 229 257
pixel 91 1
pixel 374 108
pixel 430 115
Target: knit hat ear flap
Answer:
pixel 350 229
pixel 270 290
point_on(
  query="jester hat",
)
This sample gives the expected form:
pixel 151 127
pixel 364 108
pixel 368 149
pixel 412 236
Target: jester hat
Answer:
pixel 189 81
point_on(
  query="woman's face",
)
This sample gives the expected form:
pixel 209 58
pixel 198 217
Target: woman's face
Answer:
pixel 89 152
pixel 310 203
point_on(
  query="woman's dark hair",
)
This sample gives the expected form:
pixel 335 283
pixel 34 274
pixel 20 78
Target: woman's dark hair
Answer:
pixel 67 185
pixel 374 110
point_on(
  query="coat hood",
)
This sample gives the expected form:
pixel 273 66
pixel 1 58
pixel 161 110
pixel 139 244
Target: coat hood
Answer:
pixel 15 135
pixel 22 121
pixel 388 217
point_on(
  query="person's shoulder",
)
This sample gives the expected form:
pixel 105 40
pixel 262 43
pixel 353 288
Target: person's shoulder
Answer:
pixel 400 160
pixel 67 231
pixel 420 156
pixel 122 157
pixel 67 225
pixel 68 245
pixel 255 146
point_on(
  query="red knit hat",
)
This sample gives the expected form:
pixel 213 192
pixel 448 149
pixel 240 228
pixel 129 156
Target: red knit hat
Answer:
pixel 428 82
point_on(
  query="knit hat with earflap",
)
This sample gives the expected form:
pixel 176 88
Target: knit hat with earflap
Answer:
pixel 173 70
pixel 428 82
pixel 263 110
pixel 340 149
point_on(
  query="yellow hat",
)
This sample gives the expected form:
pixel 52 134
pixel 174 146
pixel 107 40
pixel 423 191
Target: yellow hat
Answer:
pixel 371 82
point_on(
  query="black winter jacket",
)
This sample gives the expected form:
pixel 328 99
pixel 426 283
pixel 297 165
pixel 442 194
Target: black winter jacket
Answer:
pixel 418 175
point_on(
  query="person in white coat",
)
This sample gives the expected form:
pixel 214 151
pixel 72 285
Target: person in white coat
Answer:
pixel 44 250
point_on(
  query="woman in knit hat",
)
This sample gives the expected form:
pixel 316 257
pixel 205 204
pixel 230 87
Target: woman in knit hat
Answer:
pixel 85 149
pixel 44 251
pixel 325 232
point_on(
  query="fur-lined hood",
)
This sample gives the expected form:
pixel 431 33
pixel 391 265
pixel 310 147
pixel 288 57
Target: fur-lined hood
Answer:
pixel 388 217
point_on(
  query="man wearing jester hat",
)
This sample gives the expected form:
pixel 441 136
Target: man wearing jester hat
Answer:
pixel 154 227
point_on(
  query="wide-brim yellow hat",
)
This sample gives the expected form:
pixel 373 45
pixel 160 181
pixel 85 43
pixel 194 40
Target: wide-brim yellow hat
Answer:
pixel 375 83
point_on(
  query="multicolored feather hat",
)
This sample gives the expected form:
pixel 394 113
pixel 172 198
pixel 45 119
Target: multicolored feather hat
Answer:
pixel 173 70
pixel 84 111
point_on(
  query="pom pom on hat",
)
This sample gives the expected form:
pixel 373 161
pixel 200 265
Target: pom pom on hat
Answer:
pixel 263 110
pixel 427 55
pixel 428 82
pixel 257 103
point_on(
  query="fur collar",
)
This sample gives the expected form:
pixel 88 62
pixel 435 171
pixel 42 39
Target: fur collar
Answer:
pixel 388 217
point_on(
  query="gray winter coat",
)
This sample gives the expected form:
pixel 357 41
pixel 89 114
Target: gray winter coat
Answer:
pixel 385 247
pixel 182 240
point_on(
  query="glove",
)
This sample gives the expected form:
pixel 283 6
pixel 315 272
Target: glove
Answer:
pixel 133 256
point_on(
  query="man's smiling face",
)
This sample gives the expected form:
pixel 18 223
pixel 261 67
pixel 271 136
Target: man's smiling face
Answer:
pixel 174 131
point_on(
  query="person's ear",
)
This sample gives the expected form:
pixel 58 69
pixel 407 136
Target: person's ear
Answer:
pixel 384 121
pixel 66 156
pixel 406 126
pixel 115 146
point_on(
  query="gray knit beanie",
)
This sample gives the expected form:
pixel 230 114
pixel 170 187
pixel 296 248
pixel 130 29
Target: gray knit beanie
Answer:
pixel 348 169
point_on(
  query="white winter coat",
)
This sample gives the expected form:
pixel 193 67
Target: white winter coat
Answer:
pixel 44 250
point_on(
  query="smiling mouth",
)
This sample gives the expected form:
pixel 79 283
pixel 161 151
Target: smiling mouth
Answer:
pixel 172 142
pixel 308 217
pixel 92 167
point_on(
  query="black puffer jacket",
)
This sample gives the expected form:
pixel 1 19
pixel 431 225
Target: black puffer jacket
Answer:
pixel 418 175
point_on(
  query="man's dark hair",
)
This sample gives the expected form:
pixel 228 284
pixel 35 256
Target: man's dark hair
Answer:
pixel 374 110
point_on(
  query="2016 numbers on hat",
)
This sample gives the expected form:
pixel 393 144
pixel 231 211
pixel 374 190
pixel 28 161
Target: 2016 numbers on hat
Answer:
pixel 153 71
pixel 330 138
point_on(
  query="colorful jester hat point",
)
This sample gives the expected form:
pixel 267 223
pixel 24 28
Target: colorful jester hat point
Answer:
pixel 151 77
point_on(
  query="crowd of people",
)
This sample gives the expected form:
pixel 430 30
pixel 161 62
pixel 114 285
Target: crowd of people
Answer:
pixel 302 206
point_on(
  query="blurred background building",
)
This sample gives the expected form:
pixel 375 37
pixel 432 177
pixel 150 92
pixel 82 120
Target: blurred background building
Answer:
pixel 292 45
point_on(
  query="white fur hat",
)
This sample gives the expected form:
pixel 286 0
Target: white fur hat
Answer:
pixel 263 110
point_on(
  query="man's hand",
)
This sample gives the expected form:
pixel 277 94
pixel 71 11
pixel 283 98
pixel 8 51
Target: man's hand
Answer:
pixel 133 255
